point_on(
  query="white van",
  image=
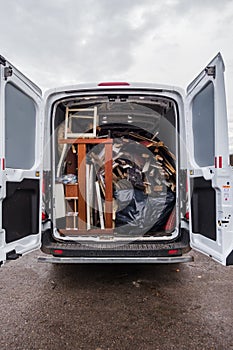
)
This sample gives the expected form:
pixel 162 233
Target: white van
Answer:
pixel 118 171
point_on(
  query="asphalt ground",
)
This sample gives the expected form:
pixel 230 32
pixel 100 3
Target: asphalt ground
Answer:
pixel 101 307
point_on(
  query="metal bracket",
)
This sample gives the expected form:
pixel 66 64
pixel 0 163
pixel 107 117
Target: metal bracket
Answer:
pixel 8 71
pixel 12 255
pixel 211 71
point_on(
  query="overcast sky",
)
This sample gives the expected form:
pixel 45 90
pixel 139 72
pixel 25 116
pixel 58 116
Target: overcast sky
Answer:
pixel 57 42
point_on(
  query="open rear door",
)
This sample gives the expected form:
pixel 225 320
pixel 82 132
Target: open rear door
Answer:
pixel 20 163
pixel 210 176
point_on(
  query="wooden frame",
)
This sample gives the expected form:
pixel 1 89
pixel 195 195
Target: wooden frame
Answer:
pixel 83 221
pixel 69 134
pixel 72 113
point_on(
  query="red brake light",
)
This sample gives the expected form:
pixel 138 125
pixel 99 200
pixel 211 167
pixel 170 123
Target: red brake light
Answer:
pixel 173 251
pixel 187 215
pixel 58 251
pixel 116 83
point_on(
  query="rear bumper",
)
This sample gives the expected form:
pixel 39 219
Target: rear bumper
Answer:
pixel 116 260
pixel 109 252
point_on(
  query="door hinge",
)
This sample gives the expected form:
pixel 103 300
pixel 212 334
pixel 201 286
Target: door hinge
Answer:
pixel 211 71
pixel 2 60
pixel 12 255
pixel 8 71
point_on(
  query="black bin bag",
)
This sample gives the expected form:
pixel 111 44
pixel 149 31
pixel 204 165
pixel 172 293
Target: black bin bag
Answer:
pixel 139 213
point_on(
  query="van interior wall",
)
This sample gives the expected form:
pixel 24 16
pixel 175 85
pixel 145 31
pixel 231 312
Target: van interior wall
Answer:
pixel 168 130
pixel 166 133
pixel 59 119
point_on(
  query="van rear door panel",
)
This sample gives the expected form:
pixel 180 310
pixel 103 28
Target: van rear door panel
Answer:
pixel 22 204
pixel 21 166
pixel 210 176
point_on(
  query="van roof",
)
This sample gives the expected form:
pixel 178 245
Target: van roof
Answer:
pixel 105 86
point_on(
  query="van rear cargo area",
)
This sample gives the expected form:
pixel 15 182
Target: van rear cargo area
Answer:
pixel 115 160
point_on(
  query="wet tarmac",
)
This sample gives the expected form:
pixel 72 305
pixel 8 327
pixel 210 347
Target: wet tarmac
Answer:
pixel 101 307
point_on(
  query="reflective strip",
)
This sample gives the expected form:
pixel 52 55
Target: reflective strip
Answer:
pixel 218 162
pixel 3 163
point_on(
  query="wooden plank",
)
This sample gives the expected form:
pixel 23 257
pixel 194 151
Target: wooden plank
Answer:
pixel 88 196
pixel 82 186
pixel 143 138
pixel 71 162
pixel 91 200
pixel 86 232
pixel 108 185
pixel 100 208
pixel 85 141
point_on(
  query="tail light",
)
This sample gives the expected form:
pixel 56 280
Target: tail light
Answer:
pixel 44 215
pixel 187 208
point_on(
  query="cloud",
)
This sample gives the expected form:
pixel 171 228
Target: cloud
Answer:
pixel 70 41
pixel 61 42
pixel 77 40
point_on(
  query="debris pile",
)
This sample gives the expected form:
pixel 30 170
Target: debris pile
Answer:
pixel 144 182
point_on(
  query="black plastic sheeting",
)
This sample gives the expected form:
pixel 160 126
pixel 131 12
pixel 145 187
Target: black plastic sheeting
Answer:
pixel 139 213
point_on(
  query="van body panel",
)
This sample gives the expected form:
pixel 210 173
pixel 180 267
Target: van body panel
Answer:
pixel 21 125
pixel 210 176
pixel 56 97
pixel 202 148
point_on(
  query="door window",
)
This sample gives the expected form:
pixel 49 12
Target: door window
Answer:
pixel 203 126
pixel 20 126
